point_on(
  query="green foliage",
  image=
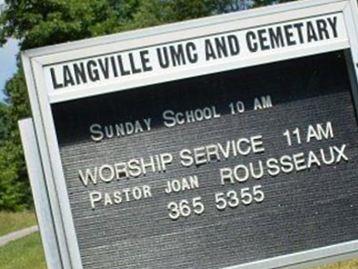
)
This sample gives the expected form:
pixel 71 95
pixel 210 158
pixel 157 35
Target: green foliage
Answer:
pixel 14 187
pixel 45 22
pixel 38 23
pixel 3 124
pixel 260 3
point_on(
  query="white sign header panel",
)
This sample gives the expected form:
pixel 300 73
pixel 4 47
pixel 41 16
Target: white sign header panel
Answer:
pixel 206 51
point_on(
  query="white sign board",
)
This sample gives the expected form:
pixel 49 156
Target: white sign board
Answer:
pixel 199 144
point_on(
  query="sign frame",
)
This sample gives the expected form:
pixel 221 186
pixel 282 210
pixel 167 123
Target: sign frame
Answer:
pixel 34 61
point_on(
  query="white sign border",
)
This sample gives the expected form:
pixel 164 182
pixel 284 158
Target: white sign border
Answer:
pixel 35 60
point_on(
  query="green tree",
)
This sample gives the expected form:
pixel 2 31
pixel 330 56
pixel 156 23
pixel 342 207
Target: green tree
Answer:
pixel 260 3
pixel 14 187
pixel 39 23
pixel 45 22
pixel 3 123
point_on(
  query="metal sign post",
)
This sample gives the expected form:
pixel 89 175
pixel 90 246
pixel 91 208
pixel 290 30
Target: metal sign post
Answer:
pixel 40 195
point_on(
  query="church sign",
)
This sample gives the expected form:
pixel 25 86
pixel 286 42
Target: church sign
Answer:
pixel 221 143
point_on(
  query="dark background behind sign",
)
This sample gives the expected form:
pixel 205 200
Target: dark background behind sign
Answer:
pixel 301 211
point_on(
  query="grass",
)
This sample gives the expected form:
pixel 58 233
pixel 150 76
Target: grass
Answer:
pixel 342 265
pixel 10 222
pixel 25 253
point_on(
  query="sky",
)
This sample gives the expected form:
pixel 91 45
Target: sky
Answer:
pixel 7 61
